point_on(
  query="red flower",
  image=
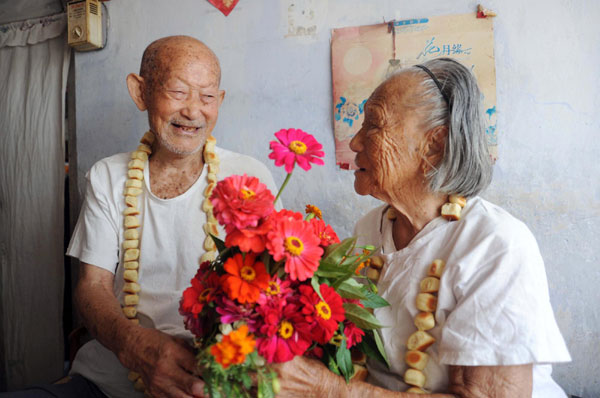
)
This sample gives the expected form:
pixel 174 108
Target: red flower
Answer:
pixel 296 146
pixel 281 341
pixel 353 333
pixel 241 201
pixel 201 292
pixel 321 316
pixel 287 214
pixel 245 278
pixel 324 231
pixel 295 241
pixel 250 239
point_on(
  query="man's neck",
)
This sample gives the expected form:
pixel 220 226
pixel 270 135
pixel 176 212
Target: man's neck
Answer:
pixel 171 174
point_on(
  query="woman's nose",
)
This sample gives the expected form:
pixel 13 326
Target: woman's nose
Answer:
pixel 356 142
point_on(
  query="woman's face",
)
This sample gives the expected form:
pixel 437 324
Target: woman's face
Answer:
pixel 389 146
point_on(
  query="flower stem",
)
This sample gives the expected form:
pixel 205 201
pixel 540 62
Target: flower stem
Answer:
pixel 285 182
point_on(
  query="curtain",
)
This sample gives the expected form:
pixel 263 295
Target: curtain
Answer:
pixel 33 72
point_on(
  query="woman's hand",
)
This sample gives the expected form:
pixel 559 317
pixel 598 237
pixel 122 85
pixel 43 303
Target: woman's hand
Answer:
pixel 304 377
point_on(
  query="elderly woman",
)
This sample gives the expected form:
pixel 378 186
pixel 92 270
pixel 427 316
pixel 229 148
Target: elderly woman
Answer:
pixel 492 333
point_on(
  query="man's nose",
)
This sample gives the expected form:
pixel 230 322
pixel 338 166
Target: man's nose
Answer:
pixel 192 109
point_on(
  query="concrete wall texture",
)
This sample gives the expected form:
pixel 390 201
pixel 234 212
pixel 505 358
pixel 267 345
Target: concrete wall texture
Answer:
pixel 275 57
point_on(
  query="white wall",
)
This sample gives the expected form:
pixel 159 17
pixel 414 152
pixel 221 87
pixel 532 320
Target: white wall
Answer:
pixel 547 57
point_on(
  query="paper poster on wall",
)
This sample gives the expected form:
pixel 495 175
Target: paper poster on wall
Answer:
pixel 362 57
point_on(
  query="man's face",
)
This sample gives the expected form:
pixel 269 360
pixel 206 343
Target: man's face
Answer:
pixel 183 103
pixel 388 144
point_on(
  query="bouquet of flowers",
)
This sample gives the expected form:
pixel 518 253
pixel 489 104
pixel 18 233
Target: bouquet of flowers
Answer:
pixel 282 285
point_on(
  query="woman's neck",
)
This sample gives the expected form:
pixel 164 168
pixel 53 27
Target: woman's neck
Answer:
pixel 414 212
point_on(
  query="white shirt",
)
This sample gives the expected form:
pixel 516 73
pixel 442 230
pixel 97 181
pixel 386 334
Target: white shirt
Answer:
pixel 171 242
pixel 493 303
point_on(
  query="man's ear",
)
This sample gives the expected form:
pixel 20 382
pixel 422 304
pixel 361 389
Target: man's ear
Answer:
pixel 221 97
pixel 135 85
pixel 435 145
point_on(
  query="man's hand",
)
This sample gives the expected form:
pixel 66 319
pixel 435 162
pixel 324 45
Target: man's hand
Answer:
pixel 165 363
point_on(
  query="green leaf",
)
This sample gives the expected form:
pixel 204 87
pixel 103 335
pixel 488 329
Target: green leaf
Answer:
pixel 344 361
pixel 373 300
pixel 334 253
pixel 351 289
pixel 369 346
pixel 246 380
pixel 332 365
pixel 331 271
pixel 314 281
pixel 265 258
pixel 361 317
pixel 380 347
pixel 219 243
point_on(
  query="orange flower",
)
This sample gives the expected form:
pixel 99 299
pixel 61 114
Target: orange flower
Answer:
pixel 312 209
pixel 245 278
pixel 234 347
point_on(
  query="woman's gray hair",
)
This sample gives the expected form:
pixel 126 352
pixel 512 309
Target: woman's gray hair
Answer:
pixel 466 168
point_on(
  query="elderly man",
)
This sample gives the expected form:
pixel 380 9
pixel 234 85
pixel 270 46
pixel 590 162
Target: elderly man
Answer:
pixel 133 316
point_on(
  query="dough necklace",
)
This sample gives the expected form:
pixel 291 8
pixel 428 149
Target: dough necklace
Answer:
pixel 131 248
pixel 416 357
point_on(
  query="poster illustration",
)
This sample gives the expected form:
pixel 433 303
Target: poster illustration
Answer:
pixel 362 57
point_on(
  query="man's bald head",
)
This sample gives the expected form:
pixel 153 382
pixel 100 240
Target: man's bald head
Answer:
pixel 162 53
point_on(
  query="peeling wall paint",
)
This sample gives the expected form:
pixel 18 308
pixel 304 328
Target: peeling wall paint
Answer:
pixel 276 70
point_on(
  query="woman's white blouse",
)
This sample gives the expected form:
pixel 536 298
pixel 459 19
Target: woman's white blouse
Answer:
pixel 493 304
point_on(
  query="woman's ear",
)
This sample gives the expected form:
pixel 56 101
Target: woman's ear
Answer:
pixel 135 85
pixel 435 144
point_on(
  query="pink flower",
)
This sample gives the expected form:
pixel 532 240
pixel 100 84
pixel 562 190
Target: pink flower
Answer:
pixel 231 312
pixel 281 341
pixel 296 146
pixel 241 201
pixel 277 289
pixel 325 232
pixel 295 241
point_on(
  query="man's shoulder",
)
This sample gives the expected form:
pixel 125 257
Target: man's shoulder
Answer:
pixel 109 169
pixel 238 163
pixel 113 162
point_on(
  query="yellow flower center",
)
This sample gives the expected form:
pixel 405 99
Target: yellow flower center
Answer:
pixel 298 147
pixel 203 297
pixel 273 289
pixel 323 310
pixel 286 330
pixel 246 193
pixel 293 245
pixel 247 273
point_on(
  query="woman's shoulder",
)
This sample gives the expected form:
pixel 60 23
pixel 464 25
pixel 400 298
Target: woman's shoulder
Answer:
pixel 487 221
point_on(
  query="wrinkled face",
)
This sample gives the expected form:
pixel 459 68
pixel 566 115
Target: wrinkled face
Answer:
pixel 388 146
pixel 183 105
